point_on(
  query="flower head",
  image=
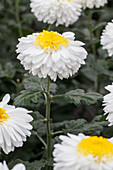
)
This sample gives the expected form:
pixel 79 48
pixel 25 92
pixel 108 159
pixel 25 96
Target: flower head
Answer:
pixel 83 153
pixel 107 38
pixel 14 125
pixel 108 103
pixel 93 3
pixel 51 54
pixel 16 167
pixel 56 11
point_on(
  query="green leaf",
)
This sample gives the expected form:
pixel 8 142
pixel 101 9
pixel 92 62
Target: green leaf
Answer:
pixel 35 83
pixel 36 165
pixel 79 96
pixel 58 125
pixel 8 71
pixel 95 128
pixel 27 97
pixel 32 83
pixel 38 124
pixel 74 126
pixel 81 126
pixel 88 72
pixel 100 25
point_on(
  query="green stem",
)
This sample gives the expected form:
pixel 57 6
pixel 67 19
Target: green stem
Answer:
pixel 48 130
pixel 49 27
pixel 58 96
pixel 40 138
pixel 18 18
pixel 48 84
pixel 92 35
pixel 93 47
pixel 57 133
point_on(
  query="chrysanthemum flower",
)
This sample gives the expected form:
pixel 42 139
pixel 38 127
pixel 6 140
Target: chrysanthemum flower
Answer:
pixel 93 3
pixel 16 167
pixel 107 38
pixel 51 54
pixel 56 11
pixel 14 125
pixel 108 103
pixel 83 153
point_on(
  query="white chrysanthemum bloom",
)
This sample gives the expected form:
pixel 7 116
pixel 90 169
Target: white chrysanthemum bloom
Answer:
pixel 108 103
pixel 56 11
pixel 93 3
pixel 14 125
pixel 83 153
pixel 51 54
pixel 107 38
pixel 19 166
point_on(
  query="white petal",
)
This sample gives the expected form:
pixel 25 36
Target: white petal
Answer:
pixel 5 100
pixel 19 167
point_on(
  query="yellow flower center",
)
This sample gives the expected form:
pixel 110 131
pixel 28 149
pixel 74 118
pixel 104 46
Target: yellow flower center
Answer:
pixel 97 146
pixel 3 115
pixel 50 41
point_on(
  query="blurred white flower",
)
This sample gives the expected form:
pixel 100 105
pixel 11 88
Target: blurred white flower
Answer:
pixel 14 125
pixel 51 54
pixel 107 38
pixel 83 153
pixel 16 167
pixel 108 103
pixel 56 11
pixel 93 3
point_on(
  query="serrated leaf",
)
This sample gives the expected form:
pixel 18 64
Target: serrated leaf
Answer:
pixel 94 128
pixel 39 127
pixel 73 126
pixel 36 165
pixel 35 83
pixel 79 96
pixel 32 83
pixel 58 125
pixel 81 126
pixel 38 116
pixel 38 124
pixel 26 97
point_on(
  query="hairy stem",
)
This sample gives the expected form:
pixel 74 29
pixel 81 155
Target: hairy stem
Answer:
pixel 48 130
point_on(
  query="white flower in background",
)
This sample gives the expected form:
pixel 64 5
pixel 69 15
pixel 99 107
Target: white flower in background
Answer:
pixel 107 38
pixel 14 125
pixel 16 167
pixel 108 103
pixel 83 153
pixel 56 11
pixel 93 3
pixel 51 54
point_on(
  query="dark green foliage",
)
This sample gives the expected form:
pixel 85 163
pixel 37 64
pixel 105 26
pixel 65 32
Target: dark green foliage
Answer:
pixel 36 165
pixel 35 83
pixel 81 126
pixel 79 96
pixel 8 71
pixel 34 87
pixel 39 124
pixel 73 111
pixel 26 97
